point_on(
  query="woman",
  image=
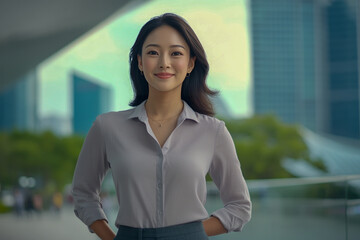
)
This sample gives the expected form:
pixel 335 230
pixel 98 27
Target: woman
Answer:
pixel 161 150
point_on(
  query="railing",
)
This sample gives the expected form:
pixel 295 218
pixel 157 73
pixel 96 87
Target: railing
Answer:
pixel 300 208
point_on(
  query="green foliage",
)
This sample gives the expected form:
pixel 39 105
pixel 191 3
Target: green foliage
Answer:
pixel 262 142
pixel 4 209
pixel 49 159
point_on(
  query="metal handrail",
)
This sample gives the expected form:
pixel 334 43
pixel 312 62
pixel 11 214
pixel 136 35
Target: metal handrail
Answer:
pixel 286 182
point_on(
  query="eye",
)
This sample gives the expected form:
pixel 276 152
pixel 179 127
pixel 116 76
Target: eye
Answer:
pixel 176 54
pixel 152 52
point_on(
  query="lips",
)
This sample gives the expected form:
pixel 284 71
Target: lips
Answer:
pixel 164 75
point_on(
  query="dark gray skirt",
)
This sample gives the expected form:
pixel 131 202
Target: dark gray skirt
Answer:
pixel 187 231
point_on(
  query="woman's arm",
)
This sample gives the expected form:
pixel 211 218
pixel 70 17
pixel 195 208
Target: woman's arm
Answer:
pixel 90 170
pixel 226 173
pixel 103 230
pixel 213 226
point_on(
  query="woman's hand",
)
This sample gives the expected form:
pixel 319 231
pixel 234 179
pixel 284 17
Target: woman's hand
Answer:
pixel 213 226
pixel 103 230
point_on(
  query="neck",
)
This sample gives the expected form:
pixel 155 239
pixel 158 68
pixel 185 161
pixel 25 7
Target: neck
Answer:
pixel 163 106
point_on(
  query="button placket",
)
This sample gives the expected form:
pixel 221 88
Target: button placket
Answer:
pixel 159 178
pixel 159 190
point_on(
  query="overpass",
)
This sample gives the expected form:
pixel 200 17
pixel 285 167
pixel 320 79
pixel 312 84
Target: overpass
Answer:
pixel 31 31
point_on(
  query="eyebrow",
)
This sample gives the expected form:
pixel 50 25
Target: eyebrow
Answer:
pixel 156 45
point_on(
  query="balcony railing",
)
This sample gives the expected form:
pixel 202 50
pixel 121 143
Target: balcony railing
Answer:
pixel 300 208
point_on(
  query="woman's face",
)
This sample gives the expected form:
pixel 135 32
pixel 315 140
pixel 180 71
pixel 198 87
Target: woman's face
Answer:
pixel 165 59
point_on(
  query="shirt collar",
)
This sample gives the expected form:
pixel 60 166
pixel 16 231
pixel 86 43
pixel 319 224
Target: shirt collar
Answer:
pixel 140 113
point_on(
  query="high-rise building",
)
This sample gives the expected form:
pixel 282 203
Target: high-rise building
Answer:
pixel 305 63
pixel 342 92
pixel 18 104
pixel 90 99
pixel 283 59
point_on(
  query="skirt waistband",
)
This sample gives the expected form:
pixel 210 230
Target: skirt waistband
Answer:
pixel 185 228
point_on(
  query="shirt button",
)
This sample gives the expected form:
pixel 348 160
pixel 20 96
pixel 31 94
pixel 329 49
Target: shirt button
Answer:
pixel 159 185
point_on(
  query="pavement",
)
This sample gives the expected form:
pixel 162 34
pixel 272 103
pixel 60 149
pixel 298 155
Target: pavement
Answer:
pixel 49 225
pixel 273 219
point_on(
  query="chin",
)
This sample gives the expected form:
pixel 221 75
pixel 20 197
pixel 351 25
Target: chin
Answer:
pixel 162 88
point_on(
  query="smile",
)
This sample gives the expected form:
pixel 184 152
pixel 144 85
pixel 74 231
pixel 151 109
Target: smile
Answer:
pixel 164 75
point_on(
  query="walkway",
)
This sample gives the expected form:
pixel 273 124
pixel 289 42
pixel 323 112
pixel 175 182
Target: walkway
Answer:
pixel 47 226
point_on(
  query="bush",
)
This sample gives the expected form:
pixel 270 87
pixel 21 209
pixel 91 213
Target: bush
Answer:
pixel 4 209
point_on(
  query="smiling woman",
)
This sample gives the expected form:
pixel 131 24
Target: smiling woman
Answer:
pixel 194 89
pixel 161 151
pixel 165 61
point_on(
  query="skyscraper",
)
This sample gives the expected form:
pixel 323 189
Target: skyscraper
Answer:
pixel 89 100
pixel 342 92
pixel 18 104
pixel 283 59
pixel 305 63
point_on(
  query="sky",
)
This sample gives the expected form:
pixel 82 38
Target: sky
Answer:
pixel 102 54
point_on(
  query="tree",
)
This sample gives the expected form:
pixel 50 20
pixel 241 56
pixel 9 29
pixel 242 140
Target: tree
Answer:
pixel 49 159
pixel 262 142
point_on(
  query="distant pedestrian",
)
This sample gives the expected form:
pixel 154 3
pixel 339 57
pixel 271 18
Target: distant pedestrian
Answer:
pixel 57 201
pixel 38 203
pixel 29 204
pixel 19 202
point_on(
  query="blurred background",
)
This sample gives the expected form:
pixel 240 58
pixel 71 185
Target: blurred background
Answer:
pixel 289 82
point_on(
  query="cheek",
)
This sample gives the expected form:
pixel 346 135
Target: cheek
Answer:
pixel 181 65
pixel 149 64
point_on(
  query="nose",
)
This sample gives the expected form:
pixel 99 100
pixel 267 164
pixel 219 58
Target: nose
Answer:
pixel 164 62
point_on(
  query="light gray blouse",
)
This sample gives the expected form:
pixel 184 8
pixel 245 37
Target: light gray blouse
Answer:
pixel 158 187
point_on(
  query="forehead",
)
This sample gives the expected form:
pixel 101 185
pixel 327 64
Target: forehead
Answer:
pixel 165 36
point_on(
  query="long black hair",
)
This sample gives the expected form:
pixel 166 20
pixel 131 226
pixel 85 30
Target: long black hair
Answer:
pixel 194 90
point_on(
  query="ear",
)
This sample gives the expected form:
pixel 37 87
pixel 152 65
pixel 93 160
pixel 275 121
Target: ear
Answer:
pixel 191 64
pixel 140 66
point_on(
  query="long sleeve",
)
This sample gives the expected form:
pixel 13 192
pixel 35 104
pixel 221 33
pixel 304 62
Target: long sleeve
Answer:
pixel 90 170
pixel 226 173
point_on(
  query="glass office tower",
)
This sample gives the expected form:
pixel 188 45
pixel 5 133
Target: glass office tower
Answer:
pixel 342 65
pixel 90 99
pixel 305 63
pixel 18 104
pixel 283 46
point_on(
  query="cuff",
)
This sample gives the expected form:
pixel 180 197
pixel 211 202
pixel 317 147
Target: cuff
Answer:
pixel 90 215
pixel 230 222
